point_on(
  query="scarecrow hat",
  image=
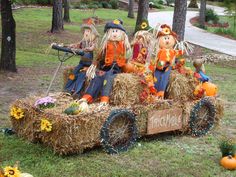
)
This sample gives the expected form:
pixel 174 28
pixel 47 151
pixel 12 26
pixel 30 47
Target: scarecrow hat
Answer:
pixel 90 25
pixel 117 24
pixel 166 30
pixel 144 25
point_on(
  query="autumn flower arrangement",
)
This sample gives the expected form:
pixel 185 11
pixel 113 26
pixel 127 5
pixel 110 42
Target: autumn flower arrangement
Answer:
pixel 46 102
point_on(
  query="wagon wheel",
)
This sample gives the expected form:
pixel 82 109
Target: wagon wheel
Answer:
pixel 119 132
pixel 202 117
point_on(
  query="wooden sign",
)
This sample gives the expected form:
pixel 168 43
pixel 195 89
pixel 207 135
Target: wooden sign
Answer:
pixel 164 120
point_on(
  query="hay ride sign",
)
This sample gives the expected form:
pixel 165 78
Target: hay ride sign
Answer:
pixel 164 120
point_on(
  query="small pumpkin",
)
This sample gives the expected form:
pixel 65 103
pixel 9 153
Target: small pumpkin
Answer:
pixel 128 68
pixel 210 88
pixel 228 162
pixel 72 76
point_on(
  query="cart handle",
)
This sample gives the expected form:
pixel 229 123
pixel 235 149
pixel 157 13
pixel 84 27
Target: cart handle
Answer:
pixel 68 50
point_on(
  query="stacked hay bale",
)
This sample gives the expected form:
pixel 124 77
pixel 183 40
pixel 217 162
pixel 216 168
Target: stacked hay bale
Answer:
pixel 75 133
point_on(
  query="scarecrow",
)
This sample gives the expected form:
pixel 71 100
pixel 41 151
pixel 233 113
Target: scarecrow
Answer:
pixel 199 73
pixel 140 44
pixel 165 57
pixel 88 44
pixel 111 58
pixel 204 87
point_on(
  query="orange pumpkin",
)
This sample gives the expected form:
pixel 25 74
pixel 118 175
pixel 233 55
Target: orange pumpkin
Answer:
pixel 128 68
pixel 210 89
pixel 228 162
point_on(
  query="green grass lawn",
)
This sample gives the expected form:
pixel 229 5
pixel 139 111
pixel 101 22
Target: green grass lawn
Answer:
pixel 230 31
pixel 164 155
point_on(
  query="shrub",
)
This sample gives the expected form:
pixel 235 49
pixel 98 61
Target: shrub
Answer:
pixel 161 2
pixel 211 16
pixel 114 4
pixel 105 4
pixel 92 6
pixel 83 6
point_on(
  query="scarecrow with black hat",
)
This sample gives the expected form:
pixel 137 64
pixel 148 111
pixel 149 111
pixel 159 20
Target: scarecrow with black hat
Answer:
pixel 111 58
pixel 87 44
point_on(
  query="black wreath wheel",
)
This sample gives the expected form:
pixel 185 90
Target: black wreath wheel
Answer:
pixel 202 117
pixel 119 132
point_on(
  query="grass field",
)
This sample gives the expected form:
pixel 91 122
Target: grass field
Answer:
pixel 165 155
pixel 230 31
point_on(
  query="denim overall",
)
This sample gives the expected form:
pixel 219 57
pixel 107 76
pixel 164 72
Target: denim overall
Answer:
pixel 76 85
pixel 103 83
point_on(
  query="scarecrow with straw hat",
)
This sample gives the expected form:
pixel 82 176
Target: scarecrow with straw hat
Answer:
pixel 88 44
pixel 165 57
pixel 111 58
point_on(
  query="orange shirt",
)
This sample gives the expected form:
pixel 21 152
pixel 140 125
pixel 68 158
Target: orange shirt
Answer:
pixel 165 57
pixel 115 51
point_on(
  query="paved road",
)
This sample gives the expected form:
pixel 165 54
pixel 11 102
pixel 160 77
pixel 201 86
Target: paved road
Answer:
pixel 196 35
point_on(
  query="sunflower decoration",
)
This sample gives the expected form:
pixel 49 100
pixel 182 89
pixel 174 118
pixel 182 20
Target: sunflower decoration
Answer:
pixel 166 30
pixel 11 172
pixel 17 113
pixel 46 125
pixel 116 21
pixel 144 25
pixel 143 51
pixel 71 76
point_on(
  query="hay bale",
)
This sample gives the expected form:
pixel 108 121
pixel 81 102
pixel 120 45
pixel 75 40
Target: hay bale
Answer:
pixel 74 133
pixel 180 87
pixel 126 89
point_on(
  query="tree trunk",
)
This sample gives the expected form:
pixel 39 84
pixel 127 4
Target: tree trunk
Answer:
pixel 179 18
pixel 67 11
pixel 131 9
pixel 193 4
pixel 8 50
pixel 57 20
pixel 202 17
pixel 143 6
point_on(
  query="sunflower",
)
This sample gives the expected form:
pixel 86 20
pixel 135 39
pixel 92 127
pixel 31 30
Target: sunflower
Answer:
pixel 46 125
pixel 117 22
pixel 11 172
pixel 144 51
pixel 166 30
pixel 144 25
pixel 12 111
pixel 71 76
pixel 17 113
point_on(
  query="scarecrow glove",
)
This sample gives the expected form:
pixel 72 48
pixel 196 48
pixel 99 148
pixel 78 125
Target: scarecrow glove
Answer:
pixel 83 107
pixel 91 72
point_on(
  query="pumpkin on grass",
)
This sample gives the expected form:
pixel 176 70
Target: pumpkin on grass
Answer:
pixel 228 162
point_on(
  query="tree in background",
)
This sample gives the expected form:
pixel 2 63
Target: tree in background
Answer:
pixel 231 9
pixel 8 50
pixel 131 9
pixel 179 18
pixel 57 19
pixel 193 4
pixel 143 6
pixel 202 16
pixel 67 11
